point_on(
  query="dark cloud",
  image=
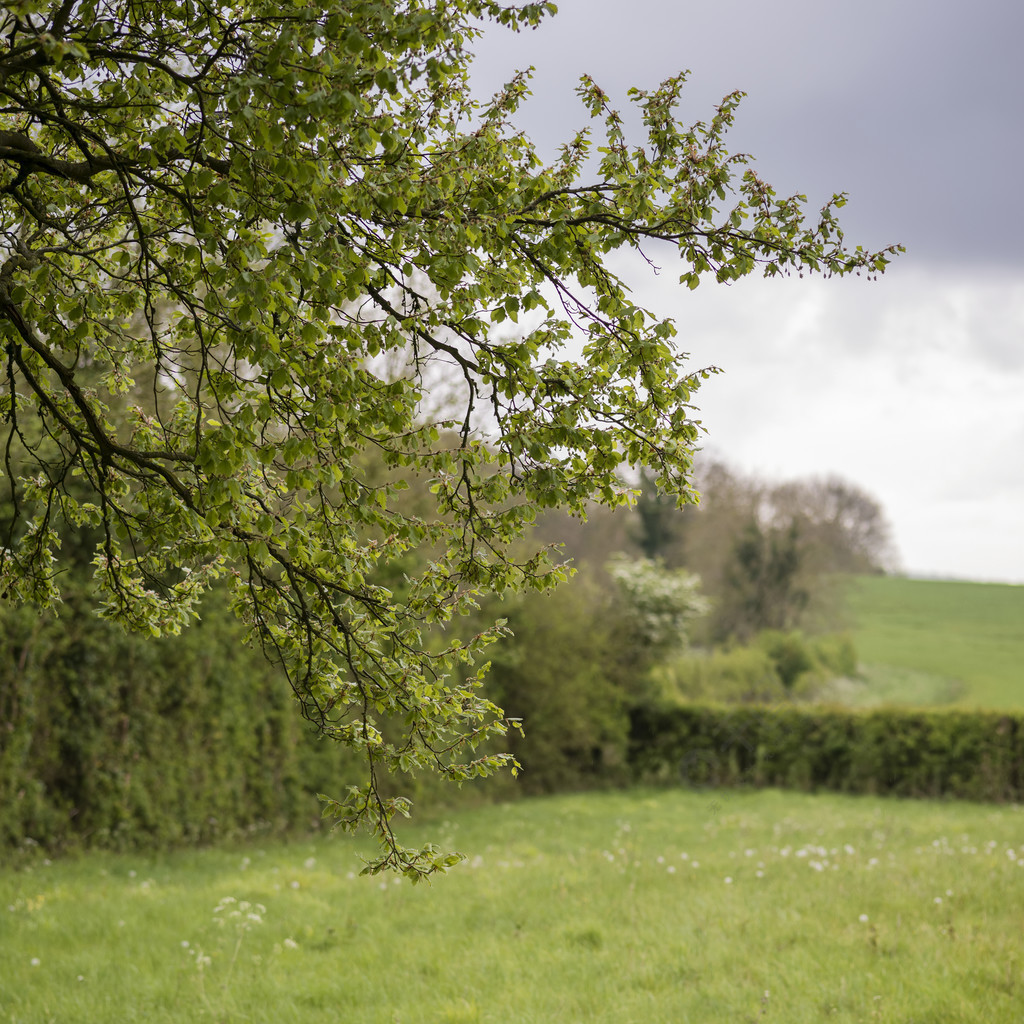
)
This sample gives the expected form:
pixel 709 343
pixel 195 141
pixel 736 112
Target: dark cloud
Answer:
pixel 909 386
pixel 915 108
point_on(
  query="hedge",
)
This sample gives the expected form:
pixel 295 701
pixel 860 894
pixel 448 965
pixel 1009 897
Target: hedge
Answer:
pixel 113 740
pixel 973 755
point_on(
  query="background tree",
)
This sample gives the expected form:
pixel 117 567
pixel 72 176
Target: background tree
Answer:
pixel 279 195
pixel 659 523
pixel 763 583
pixel 844 528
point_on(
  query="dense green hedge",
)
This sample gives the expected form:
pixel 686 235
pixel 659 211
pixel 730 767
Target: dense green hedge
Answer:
pixel 114 740
pixel 969 754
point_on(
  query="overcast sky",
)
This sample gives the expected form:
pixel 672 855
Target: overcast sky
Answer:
pixel 911 387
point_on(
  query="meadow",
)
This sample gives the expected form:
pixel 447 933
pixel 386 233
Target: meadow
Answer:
pixel 926 642
pixel 645 906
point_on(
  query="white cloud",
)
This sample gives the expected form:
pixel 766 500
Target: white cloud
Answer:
pixel 911 387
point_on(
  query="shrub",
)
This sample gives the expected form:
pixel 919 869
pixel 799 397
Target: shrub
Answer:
pixel 776 666
pixel 110 739
pixel 557 674
pixel 968 754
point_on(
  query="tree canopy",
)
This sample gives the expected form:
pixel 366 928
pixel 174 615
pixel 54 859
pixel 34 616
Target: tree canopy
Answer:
pixel 242 244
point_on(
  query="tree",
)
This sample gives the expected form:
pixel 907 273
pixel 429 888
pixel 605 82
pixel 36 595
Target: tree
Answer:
pixel 246 210
pixel 764 586
pixel 844 526
pixel 768 554
pixel 658 519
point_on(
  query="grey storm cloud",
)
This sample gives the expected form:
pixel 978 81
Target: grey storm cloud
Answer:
pixel 911 386
pixel 914 107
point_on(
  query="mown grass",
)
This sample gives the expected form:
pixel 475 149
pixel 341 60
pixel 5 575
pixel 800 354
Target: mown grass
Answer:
pixel 930 642
pixel 648 906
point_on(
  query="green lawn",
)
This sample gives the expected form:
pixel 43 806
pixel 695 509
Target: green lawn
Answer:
pixel 926 642
pixel 645 907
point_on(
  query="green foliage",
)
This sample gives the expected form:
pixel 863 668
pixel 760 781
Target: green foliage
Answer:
pixel 579 659
pixel 775 666
pixel 122 741
pixel 554 675
pixel 764 586
pixel 769 554
pixel 729 675
pixel 972 755
pixel 656 604
pixel 242 243
pixel 789 654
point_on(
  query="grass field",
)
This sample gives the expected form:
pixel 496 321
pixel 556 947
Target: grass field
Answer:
pixel 929 642
pixel 645 907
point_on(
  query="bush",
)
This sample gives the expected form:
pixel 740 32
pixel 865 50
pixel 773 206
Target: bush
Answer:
pixel 558 675
pixel 967 754
pixel 737 675
pixel 776 666
pixel 115 740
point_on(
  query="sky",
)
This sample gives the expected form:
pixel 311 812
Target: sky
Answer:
pixel 912 386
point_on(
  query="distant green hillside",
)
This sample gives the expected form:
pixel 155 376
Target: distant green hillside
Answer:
pixel 925 641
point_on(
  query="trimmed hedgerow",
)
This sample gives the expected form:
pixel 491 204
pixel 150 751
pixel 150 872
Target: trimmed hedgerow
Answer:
pixel 970 754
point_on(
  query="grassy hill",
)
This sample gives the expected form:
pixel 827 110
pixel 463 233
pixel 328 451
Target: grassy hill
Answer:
pixel 932 642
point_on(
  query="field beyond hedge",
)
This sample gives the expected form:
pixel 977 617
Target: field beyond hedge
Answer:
pixel 645 906
pixel 926 642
